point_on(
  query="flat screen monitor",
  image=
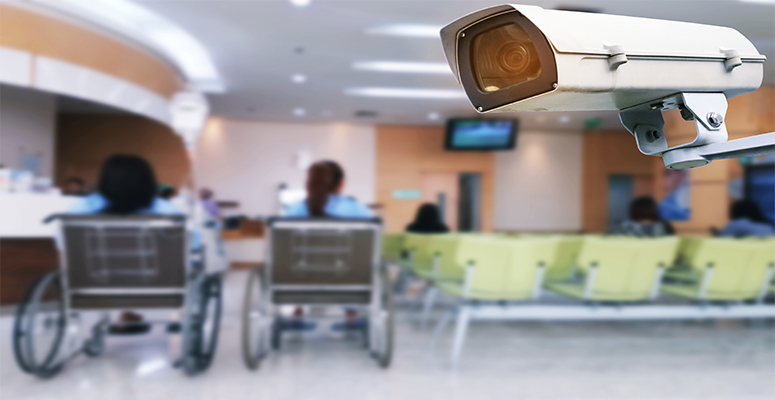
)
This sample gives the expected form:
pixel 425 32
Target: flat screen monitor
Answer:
pixel 481 134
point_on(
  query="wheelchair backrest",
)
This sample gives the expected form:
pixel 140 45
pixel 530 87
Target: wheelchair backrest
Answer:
pixel 104 253
pixel 318 251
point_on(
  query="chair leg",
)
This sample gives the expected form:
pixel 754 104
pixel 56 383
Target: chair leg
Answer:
pixel 463 318
pixel 429 301
pixel 440 327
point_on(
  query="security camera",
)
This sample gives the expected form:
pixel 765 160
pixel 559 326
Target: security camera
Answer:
pixel 512 58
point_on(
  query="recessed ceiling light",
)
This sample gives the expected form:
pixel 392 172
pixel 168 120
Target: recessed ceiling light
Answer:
pixel 407 93
pixel 298 78
pixel 426 31
pixel 759 1
pixel 564 119
pixel 299 112
pixel 301 3
pixel 403 66
pixel 434 116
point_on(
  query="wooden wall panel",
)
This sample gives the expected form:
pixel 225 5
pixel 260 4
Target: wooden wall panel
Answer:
pixel 46 36
pixel 23 261
pixel 84 141
pixel 607 153
pixel 405 153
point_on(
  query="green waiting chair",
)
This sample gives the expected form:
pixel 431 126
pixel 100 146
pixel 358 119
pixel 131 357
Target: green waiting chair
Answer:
pixel 620 269
pixel 497 270
pixel 393 246
pixel 444 264
pixel 419 256
pixel 681 270
pixel 563 266
pixel 730 270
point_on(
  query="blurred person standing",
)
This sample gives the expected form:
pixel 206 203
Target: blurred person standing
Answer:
pixel 325 182
pixel 643 220
pixel 746 219
pixel 427 220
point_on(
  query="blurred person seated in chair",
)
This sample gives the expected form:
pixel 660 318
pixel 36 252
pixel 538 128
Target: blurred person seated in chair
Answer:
pixel 644 220
pixel 325 181
pixel 127 185
pixel 74 186
pixel 427 220
pixel 746 219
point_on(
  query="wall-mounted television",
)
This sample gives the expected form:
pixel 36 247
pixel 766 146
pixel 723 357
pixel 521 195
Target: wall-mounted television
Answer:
pixel 469 134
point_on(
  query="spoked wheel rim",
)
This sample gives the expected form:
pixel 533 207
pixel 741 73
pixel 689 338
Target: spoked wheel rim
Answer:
pixel 39 327
pixel 205 327
pixel 254 321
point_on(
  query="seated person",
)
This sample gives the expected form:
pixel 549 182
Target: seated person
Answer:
pixel 427 220
pixel 325 181
pixel 747 220
pixel 644 220
pixel 127 185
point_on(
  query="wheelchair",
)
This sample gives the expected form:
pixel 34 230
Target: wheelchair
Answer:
pixel 318 262
pixel 110 263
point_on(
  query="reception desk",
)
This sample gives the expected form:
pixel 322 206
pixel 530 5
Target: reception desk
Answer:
pixel 27 249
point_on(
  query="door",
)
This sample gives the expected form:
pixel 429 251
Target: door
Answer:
pixel 442 189
pixel 469 219
pixel 620 189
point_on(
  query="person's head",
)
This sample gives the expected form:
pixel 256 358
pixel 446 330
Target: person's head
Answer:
pixel 644 209
pixel 746 209
pixel 127 183
pixel 74 185
pixel 167 192
pixel 324 178
pixel 206 194
pixel 428 214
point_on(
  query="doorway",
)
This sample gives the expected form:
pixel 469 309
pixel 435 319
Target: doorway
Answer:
pixel 458 196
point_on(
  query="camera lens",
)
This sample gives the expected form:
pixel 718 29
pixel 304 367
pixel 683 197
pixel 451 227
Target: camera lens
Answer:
pixel 504 56
pixel 513 57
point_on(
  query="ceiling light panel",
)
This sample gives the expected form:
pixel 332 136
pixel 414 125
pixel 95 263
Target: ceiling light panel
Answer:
pixel 406 93
pixel 403 67
pixel 422 31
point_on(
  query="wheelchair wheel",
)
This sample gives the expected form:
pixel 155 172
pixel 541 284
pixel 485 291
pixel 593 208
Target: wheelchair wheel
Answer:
pixel 383 334
pixel 39 327
pixel 204 327
pixel 255 319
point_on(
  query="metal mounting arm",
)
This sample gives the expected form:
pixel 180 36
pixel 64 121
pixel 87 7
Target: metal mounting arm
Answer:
pixel 707 110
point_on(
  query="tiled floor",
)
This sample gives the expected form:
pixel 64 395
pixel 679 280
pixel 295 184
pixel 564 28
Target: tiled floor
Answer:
pixel 624 360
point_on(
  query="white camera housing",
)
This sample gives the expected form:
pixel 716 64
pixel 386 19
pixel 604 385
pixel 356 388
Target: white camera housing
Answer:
pixel 572 61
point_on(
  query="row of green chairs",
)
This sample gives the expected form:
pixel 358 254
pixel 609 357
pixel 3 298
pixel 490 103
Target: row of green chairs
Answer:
pixel 504 270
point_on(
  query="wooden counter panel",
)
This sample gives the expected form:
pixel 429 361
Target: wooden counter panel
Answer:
pixel 21 262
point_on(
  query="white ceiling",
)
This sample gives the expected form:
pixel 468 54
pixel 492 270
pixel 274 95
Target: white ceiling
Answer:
pixel 258 45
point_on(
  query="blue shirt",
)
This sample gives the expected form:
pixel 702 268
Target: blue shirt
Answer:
pixel 337 206
pixel 95 203
pixel 745 227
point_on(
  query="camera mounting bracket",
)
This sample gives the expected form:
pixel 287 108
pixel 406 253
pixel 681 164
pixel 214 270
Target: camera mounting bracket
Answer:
pixel 707 110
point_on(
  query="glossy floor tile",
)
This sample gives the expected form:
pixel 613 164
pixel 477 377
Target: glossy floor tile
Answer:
pixel 590 360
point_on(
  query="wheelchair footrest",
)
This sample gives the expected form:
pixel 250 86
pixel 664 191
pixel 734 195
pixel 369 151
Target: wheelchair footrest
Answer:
pixel 136 328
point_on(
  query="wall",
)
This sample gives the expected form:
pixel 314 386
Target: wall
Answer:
pixel 404 153
pixel 247 161
pixel 27 126
pixel 609 153
pixel 538 186
pixel 84 141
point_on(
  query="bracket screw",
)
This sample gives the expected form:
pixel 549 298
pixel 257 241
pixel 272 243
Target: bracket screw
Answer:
pixel 715 119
